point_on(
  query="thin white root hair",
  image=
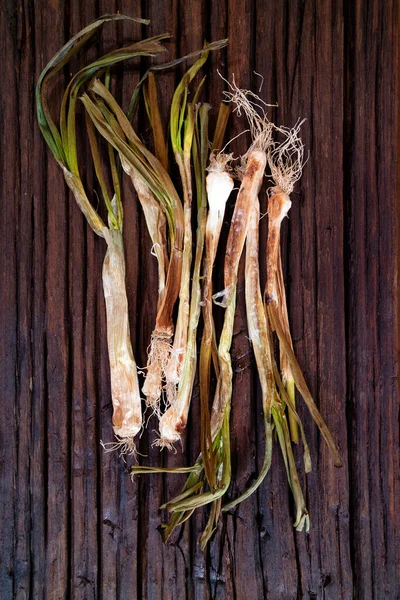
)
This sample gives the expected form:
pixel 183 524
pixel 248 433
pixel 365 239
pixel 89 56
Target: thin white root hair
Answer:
pixel 262 80
pixel 125 446
pixel 254 108
pixel 220 163
pixel 152 409
pixel 159 354
pixel 233 139
pixel 170 427
pixel 163 443
pixel 286 159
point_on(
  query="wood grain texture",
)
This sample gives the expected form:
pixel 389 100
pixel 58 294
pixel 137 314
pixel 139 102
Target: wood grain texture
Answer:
pixel 72 523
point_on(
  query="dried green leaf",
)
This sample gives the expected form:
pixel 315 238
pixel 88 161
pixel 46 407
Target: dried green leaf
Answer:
pixel 148 47
pixel 160 145
pixel 98 170
pixel 178 107
pixel 62 57
pixel 300 382
pixel 164 67
pixel 135 153
pixel 220 128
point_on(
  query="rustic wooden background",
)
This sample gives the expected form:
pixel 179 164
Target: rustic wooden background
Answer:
pixel 72 524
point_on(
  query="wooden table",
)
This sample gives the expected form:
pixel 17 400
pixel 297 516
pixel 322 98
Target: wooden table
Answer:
pixel 72 524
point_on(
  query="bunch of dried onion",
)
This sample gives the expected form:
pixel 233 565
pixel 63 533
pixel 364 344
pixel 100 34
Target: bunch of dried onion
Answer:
pixel 172 357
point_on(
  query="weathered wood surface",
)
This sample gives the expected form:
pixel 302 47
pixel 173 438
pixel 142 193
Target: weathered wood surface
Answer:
pixel 72 524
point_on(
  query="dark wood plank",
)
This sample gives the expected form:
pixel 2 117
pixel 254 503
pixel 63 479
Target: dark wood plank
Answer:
pixel 10 185
pixel 336 577
pixel 38 463
pixel 371 194
pixel 83 525
pixel 57 362
pixel 24 227
pixel 276 45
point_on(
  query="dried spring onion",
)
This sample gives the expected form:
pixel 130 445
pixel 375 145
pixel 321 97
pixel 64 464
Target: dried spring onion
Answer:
pixel 152 182
pixel 219 187
pixel 176 364
pixel 141 165
pixel 127 418
pixel 273 406
pixel 254 165
pixel 259 336
pixel 172 359
pixel 275 396
pixel 286 162
pixel 174 420
pixel 195 482
pixel 182 133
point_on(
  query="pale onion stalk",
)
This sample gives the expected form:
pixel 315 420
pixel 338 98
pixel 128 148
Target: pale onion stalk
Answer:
pixel 286 371
pixel 173 371
pixel 182 123
pixel 278 207
pixel 160 348
pixel 282 430
pixel 113 124
pixel 219 187
pixel 127 416
pixel 286 163
pixel 125 393
pixel 174 420
pixel 156 225
pixel 259 337
pixel 62 140
pixel 249 189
